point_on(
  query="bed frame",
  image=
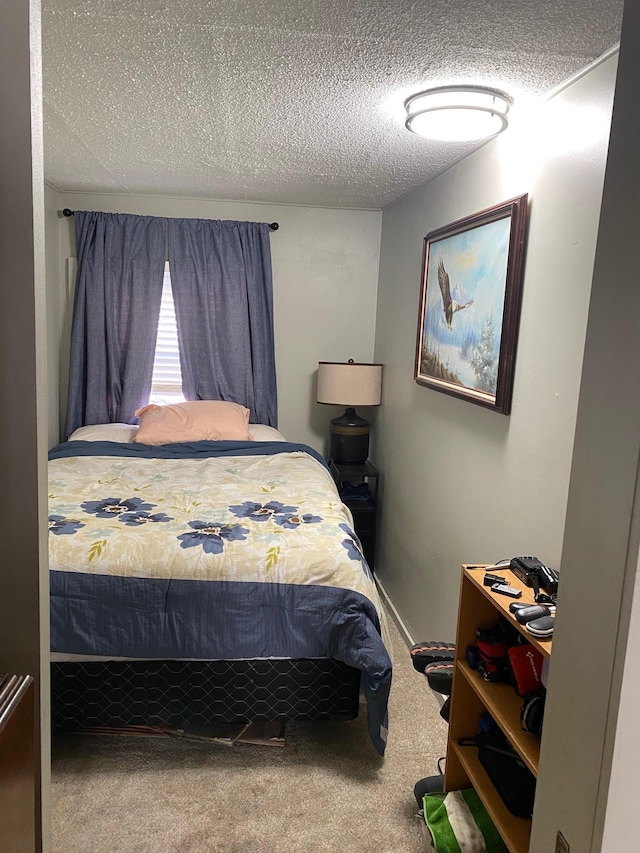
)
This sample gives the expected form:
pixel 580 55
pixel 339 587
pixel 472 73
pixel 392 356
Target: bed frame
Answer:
pixel 195 695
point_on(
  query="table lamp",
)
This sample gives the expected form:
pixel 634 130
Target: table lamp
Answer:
pixel 349 384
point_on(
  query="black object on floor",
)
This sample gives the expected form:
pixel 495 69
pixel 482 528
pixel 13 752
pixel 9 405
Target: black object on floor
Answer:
pixel 440 676
pixel 428 785
pixel 436 660
pixel 444 711
pixel 431 651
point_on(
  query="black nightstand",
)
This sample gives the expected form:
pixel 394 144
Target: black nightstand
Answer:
pixel 364 512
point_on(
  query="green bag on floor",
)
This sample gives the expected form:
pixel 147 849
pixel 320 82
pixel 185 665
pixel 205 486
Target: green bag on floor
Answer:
pixel 459 823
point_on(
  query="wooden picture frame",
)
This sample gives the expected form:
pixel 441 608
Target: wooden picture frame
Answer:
pixel 470 299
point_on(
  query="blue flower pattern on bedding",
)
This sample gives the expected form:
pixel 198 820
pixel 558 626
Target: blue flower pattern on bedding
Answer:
pixel 212 535
pixel 111 507
pixel 260 512
pixel 354 548
pixel 59 525
pixel 292 521
pixel 134 519
pixel 285 516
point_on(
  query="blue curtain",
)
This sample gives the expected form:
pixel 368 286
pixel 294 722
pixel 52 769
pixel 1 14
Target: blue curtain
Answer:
pixel 115 317
pixel 222 290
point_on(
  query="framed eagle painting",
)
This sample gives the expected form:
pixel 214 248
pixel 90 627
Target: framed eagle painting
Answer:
pixel 470 302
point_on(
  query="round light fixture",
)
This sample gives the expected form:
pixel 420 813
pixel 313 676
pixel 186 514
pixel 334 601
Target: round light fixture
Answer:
pixel 457 113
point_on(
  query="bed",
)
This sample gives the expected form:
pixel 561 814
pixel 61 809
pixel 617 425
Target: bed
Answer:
pixel 209 579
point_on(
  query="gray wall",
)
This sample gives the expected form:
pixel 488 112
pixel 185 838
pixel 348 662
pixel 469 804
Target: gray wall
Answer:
pixel 325 269
pixel 468 485
pixel 463 484
pixel 598 606
pixel 23 423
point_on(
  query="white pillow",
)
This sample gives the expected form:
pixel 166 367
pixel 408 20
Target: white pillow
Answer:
pixel 105 432
pixel 126 432
pixel 262 432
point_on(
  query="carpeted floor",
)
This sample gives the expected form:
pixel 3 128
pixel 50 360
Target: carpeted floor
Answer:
pixel 326 790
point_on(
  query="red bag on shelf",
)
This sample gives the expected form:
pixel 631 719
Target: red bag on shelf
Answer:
pixel 526 667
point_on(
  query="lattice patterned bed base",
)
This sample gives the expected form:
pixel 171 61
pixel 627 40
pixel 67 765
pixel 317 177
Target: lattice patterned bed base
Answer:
pixel 194 694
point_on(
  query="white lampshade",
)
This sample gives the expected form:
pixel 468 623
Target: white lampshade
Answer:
pixel 349 383
pixel 457 113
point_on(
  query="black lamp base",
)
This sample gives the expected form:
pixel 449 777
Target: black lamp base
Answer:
pixel 349 438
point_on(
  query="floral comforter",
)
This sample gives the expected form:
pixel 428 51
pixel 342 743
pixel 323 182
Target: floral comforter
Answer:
pixel 211 550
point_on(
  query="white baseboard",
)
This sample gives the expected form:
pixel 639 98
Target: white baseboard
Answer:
pixel 406 635
pixel 404 631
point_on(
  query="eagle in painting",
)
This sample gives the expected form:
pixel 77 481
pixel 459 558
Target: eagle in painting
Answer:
pixel 449 304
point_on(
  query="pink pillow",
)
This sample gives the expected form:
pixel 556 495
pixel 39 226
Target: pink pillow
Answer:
pixel 201 420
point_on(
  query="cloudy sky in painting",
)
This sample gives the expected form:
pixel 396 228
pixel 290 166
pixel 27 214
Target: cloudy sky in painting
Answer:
pixel 476 261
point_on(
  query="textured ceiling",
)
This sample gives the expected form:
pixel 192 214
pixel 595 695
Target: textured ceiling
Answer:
pixel 291 101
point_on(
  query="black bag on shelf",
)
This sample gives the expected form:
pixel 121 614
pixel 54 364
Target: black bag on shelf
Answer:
pixel 512 779
pixel 532 712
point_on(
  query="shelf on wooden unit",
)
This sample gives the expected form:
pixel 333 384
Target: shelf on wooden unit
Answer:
pixel 504 704
pixel 502 602
pixel 472 696
pixel 515 831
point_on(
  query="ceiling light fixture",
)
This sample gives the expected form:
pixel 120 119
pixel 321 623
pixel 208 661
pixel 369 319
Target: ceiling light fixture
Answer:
pixel 457 113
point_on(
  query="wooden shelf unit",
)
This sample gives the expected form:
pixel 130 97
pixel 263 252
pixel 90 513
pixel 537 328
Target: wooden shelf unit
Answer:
pixel 472 695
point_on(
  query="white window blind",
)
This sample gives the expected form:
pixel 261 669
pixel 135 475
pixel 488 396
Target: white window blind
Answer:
pixel 166 385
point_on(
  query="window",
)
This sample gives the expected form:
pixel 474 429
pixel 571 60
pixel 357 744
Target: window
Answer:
pixel 166 384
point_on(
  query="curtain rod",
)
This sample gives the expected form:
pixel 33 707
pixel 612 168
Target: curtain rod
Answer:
pixel 66 212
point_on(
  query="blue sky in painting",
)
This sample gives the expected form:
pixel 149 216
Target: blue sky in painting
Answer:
pixel 476 261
